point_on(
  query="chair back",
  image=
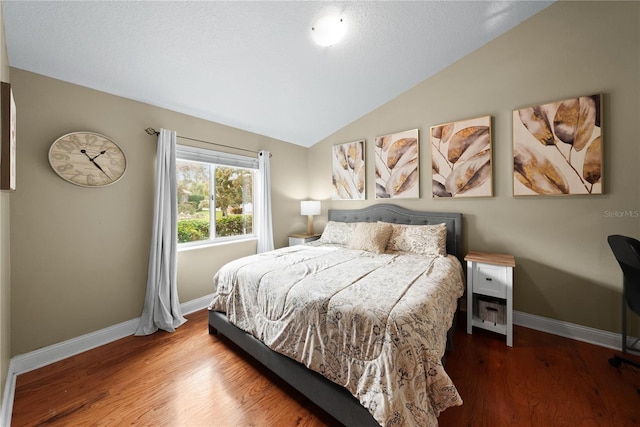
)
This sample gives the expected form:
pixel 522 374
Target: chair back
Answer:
pixel 627 253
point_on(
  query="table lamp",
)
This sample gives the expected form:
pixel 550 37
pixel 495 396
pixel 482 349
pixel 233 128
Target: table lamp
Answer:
pixel 310 208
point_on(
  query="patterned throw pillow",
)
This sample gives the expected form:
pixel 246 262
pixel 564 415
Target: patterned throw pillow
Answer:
pixel 371 236
pixel 337 233
pixel 430 240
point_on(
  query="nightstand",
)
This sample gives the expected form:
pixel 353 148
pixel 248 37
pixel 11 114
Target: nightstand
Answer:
pixel 301 239
pixel 490 293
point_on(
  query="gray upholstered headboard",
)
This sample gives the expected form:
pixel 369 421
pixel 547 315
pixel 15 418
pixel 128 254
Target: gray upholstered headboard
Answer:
pixel 399 215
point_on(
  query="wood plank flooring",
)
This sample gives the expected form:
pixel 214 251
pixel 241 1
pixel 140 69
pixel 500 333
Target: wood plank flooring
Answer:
pixel 544 380
pixel 190 378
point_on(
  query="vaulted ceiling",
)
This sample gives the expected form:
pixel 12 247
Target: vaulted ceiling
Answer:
pixel 253 65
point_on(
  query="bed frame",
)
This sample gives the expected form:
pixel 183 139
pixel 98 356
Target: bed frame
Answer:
pixel 334 399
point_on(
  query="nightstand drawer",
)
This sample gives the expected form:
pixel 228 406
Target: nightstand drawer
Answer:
pixel 490 280
pixel 301 239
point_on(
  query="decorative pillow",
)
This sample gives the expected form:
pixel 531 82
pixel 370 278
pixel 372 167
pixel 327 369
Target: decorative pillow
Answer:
pixel 337 233
pixel 371 236
pixel 430 240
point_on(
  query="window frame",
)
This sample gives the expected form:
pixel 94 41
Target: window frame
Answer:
pixel 216 159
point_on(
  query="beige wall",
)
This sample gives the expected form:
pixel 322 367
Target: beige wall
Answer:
pixel 5 270
pixel 79 255
pixel 565 269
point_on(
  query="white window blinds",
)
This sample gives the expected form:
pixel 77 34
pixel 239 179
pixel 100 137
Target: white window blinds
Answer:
pixel 196 154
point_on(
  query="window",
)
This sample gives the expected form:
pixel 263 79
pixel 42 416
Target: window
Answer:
pixel 214 188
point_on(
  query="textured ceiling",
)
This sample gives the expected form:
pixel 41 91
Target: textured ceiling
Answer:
pixel 253 65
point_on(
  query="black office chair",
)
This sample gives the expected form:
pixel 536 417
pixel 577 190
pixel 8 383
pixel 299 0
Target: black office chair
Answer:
pixel 627 252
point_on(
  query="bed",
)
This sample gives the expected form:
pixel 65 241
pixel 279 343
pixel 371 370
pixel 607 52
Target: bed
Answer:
pixel 360 331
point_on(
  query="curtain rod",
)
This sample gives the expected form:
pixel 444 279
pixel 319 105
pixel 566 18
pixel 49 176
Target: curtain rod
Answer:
pixel 152 131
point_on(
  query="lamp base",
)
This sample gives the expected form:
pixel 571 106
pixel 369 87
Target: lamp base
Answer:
pixel 310 225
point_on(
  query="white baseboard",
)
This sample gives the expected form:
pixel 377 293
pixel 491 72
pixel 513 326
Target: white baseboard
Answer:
pixel 570 330
pixel 23 363
pixel 196 304
pixel 7 398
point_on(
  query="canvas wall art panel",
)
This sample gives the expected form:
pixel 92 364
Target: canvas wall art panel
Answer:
pixel 348 164
pixel 557 148
pixel 461 159
pixel 397 172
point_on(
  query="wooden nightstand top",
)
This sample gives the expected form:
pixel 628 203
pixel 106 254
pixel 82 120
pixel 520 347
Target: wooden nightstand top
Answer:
pixel 304 236
pixel 490 258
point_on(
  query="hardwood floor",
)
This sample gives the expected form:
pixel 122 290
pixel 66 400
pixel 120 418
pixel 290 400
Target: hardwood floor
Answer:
pixel 190 378
pixel 543 380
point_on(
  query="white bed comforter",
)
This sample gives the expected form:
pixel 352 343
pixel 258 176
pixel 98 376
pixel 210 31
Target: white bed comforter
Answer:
pixel 375 324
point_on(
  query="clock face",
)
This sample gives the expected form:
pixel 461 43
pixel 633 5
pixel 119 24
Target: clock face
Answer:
pixel 87 159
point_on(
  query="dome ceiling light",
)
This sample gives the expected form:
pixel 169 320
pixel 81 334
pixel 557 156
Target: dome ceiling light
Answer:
pixel 328 31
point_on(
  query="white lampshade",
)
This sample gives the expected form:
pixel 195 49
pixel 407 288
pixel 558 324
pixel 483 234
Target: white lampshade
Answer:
pixel 310 207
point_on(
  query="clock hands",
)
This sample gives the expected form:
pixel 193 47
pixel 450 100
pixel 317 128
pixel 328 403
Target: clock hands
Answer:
pixel 101 153
pixel 92 160
pixel 101 170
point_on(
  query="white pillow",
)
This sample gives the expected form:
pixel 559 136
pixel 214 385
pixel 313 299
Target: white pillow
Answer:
pixel 337 233
pixel 430 240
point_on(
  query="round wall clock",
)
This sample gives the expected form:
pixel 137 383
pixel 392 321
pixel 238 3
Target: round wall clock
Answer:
pixel 87 159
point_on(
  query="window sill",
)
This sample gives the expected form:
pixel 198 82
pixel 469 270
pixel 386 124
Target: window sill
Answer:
pixel 187 248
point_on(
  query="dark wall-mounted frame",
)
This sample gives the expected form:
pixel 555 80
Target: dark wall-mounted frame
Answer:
pixel 7 138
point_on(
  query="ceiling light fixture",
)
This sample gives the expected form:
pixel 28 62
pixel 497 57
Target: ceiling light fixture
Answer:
pixel 328 30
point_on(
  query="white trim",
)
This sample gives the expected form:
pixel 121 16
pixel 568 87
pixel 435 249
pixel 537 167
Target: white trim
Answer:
pixel 44 356
pixel 196 304
pixel 203 244
pixel 570 330
pixel 7 399
pixel 47 355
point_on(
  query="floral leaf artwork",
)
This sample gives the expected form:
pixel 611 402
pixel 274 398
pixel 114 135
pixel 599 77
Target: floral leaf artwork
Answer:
pixel 348 165
pixel 557 148
pixel 574 121
pixel 536 172
pixel 470 174
pixel 592 168
pixel 396 161
pixel 461 158
pixel 536 121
